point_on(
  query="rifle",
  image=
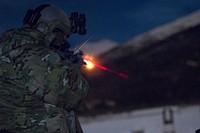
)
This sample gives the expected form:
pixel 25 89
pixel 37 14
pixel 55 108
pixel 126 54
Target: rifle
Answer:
pixel 66 54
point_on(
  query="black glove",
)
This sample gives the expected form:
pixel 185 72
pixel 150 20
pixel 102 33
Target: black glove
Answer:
pixel 78 59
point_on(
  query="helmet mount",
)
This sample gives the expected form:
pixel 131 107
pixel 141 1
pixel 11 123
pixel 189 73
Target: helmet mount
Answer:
pixel 78 23
pixel 32 16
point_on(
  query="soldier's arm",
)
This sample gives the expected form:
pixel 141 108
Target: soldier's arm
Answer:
pixel 57 82
pixel 66 86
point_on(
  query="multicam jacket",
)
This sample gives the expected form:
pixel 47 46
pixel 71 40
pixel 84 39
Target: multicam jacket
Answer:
pixel 37 89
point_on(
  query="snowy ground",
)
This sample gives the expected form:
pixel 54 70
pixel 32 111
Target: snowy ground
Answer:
pixel 186 120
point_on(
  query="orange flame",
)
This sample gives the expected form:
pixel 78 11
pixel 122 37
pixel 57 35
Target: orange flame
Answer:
pixel 90 64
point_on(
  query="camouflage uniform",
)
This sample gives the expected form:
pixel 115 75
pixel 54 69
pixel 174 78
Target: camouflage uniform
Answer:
pixel 38 91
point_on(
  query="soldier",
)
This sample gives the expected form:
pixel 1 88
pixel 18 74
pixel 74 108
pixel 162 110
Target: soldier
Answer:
pixel 39 91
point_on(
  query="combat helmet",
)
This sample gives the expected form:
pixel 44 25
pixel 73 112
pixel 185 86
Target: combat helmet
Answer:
pixel 47 18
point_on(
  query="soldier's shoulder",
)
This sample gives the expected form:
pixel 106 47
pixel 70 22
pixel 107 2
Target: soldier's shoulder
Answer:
pixel 43 53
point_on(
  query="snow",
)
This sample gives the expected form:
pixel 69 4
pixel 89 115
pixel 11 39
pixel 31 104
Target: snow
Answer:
pixel 186 120
pixel 166 30
pixel 157 34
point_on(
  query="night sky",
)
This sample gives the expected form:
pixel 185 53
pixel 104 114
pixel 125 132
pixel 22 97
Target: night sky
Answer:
pixel 115 21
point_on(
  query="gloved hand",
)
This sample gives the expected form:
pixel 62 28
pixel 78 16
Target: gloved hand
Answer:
pixel 78 59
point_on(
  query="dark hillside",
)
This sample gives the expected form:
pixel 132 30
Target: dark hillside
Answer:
pixel 163 72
